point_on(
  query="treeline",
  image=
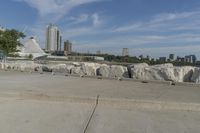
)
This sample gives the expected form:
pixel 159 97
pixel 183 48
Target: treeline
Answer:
pixel 129 59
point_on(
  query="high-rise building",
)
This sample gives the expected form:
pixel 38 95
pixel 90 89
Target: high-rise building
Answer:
pixel 125 52
pixel 180 59
pixel 53 38
pixel 67 47
pixel 190 59
pixel 60 46
pixel 172 57
pixel 163 59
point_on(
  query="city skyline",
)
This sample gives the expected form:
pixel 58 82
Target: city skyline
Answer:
pixel 148 27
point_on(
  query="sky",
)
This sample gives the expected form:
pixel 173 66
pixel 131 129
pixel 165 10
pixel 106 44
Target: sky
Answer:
pixel 149 27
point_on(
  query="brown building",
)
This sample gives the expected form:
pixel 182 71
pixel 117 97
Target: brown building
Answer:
pixel 125 52
pixel 67 47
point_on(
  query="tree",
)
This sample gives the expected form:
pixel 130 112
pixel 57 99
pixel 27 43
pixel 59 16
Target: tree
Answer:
pixel 10 40
pixel 30 56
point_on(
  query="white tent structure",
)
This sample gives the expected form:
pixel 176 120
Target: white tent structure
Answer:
pixel 31 47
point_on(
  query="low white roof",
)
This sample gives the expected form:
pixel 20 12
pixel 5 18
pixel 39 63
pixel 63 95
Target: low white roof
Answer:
pixel 31 47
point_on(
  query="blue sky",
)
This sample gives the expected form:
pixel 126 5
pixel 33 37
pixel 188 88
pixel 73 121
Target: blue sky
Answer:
pixel 149 27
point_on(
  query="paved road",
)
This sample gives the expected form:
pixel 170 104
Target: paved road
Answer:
pixel 44 103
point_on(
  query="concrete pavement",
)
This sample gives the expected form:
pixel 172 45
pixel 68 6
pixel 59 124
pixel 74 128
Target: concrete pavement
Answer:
pixel 45 103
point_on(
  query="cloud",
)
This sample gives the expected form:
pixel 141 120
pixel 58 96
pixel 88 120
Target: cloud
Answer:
pixel 96 20
pixel 163 17
pixel 55 9
pixel 131 40
pixel 129 27
pixel 151 40
pixel 80 19
pixel 75 32
pixel 167 21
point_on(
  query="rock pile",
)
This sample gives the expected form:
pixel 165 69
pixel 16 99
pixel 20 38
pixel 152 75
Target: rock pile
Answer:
pixel 89 69
pixel 163 72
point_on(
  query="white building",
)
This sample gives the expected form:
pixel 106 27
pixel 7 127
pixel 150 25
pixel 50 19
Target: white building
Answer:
pixel 31 47
pixel 53 38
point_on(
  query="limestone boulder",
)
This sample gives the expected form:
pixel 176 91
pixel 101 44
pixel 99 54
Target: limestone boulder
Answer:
pixel 77 70
pixel 118 71
pixel 69 68
pixel 139 65
pixel 61 68
pixel 196 76
pixel 113 71
pixel 43 68
pixel 103 70
pixel 148 73
pixel 166 65
pixel 183 74
pixel 90 69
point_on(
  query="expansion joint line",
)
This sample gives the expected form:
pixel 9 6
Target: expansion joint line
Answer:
pixel 88 123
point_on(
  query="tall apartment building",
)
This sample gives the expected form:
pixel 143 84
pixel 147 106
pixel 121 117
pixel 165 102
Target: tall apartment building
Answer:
pixel 67 47
pixel 172 57
pixel 125 52
pixel 163 59
pixel 53 38
pixel 190 59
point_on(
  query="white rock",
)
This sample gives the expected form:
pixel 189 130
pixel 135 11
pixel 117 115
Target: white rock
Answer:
pixel 164 65
pixel 140 65
pixel 103 71
pixel 112 71
pixel 69 68
pixel 196 76
pixel 59 68
pixel 77 63
pixel 183 74
pixel 163 72
pixel 90 69
pixel 118 71
pixel 77 70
